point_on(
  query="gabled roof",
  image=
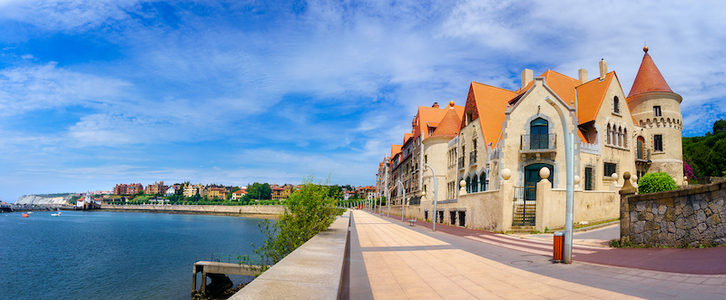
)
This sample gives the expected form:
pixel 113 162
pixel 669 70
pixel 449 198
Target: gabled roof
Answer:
pixel 649 78
pixel 449 126
pixel 563 85
pixel 488 105
pixel 395 149
pixel 590 96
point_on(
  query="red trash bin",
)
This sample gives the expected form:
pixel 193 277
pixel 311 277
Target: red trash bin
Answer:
pixel 559 246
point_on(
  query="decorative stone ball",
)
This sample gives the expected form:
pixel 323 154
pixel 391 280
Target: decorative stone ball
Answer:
pixel 685 178
pixel 614 176
pixel 544 173
pixel 462 183
pixel 634 178
pixel 576 179
pixel 626 176
pixel 506 174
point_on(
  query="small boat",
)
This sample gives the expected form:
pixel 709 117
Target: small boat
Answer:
pixel 26 215
pixel 55 215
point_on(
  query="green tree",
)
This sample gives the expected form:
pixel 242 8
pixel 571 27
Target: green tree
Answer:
pixel 719 126
pixel 260 191
pixel 308 211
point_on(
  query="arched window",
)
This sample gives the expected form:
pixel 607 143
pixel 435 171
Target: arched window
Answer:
pixel 616 105
pixel 539 134
pixel 641 148
pixel 483 181
pixel 468 184
pixel 474 184
pixel 609 135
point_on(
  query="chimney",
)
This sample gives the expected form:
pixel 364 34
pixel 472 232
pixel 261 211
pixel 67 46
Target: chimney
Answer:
pixel 603 68
pixel 436 105
pixel 527 76
pixel 582 73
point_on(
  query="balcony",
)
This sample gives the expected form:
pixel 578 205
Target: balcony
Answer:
pixel 642 155
pixel 461 162
pixel 472 158
pixel 536 143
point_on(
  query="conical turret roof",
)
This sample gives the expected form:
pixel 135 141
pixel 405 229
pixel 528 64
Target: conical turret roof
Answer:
pixel 449 125
pixel 649 78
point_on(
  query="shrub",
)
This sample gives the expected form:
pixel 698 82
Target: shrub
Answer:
pixel 308 211
pixel 656 182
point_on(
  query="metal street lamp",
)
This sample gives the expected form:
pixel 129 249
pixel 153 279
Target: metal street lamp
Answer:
pixel 570 163
pixel 403 200
pixel 436 188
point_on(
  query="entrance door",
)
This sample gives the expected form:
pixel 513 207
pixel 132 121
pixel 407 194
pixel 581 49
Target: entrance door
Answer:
pixel 531 177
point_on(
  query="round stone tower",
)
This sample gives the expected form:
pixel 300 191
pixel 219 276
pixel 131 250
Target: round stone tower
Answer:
pixel 657 110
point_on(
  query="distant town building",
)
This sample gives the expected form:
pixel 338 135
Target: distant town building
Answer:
pixel 156 188
pixel 170 191
pixel 128 189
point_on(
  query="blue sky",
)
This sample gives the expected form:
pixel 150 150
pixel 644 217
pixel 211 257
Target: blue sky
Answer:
pixel 94 93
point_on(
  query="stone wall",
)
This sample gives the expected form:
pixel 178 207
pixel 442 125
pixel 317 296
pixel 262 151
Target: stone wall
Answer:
pixel 684 217
pixel 202 209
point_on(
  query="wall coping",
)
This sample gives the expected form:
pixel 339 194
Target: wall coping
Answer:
pixel 699 189
pixel 312 271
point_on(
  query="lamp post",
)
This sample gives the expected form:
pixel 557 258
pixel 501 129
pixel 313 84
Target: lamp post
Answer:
pixel 570 163
pixel 436 188
pixel 403 200
pixel 388 201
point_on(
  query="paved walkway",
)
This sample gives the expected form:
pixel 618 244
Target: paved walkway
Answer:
pixel 388 260
pixel 675 260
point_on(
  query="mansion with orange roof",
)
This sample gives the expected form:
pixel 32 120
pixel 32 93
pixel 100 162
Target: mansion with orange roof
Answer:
pixel 499 160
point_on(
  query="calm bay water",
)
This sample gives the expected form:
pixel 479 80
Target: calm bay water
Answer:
pixel 113 255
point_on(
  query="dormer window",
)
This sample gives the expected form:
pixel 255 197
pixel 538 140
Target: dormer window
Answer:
pixel 468 118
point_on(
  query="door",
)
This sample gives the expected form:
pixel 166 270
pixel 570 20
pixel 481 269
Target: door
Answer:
pixel 531 177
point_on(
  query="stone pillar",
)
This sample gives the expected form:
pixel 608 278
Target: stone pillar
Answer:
pixel 625 192
pixel 543 207
pixel 506 190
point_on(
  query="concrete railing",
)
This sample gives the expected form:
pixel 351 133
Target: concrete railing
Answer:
pixel 313 271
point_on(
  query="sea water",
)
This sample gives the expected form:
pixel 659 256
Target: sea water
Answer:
pixel 113 255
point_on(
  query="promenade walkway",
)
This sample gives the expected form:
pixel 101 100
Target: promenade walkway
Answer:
pixel 388 260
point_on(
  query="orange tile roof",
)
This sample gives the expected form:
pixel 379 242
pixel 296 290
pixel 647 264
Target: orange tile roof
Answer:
pixel 430 116
pixel 562 85
pixel 590 96
pixel 488 104
pixel 406 137
pixel 649 78
pixel 395 149
pixel 449 126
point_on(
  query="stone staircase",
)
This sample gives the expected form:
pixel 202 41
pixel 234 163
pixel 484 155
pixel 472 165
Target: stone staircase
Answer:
pixel 524 216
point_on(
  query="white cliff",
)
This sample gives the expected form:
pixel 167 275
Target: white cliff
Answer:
pixel 54 199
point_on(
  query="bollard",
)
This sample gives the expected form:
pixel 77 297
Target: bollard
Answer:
pixel 558 246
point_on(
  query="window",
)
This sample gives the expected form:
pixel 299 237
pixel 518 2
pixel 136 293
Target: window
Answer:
pixel 468 118
pixel 589 172
pixel 426 159
pixel 483 181
pixel 656 111
pixel 539 137
pixel 658 142
pixel 616 105
pixel 610 169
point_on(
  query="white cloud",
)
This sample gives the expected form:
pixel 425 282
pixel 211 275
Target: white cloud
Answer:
pixel 24 89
